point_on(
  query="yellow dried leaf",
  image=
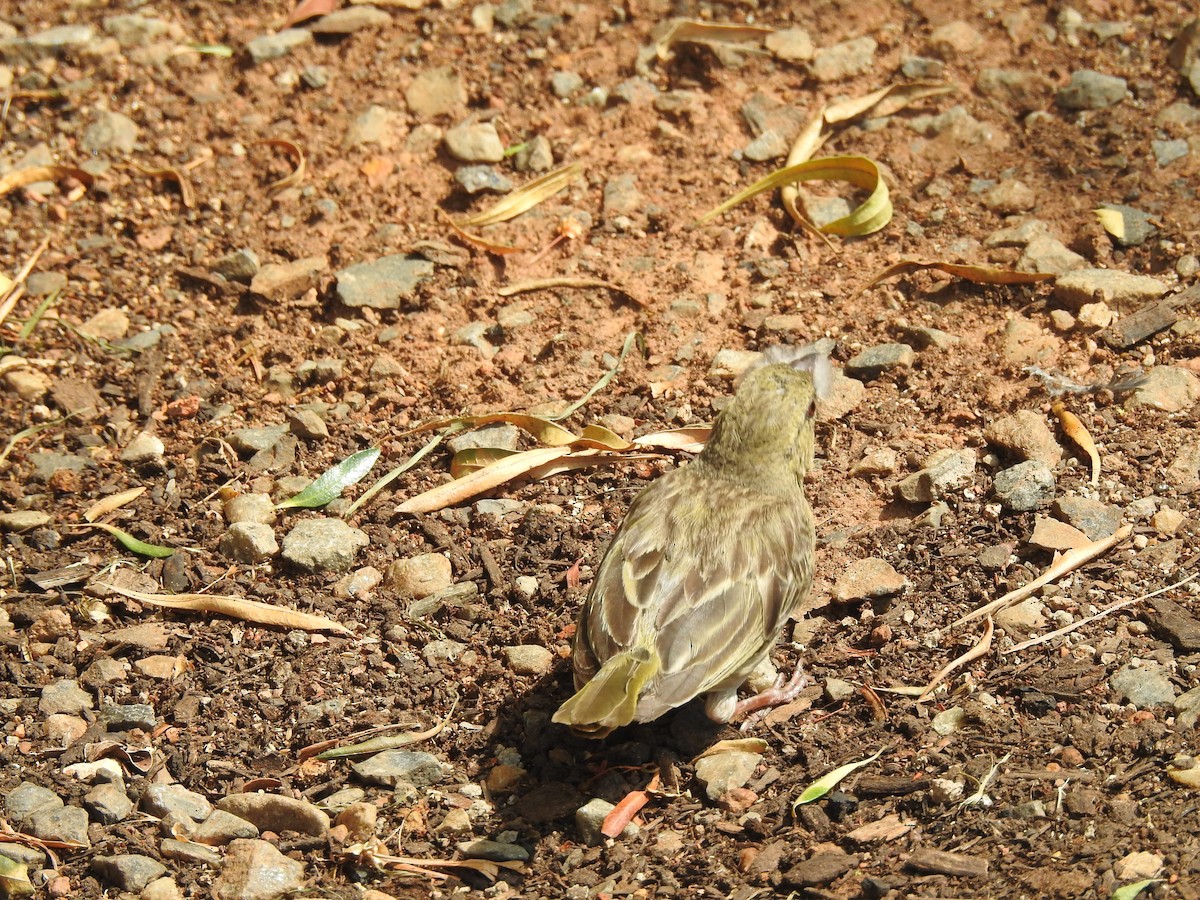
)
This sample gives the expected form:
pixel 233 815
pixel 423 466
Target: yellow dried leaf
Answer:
pixel 112 502
pixel 690 440
pixel 237 608
pixel 525 198
pixel 1112 221
pixel 33 174
pixel 886 101
pixel 976 274
pixel 491 476
pixel 482 243
pixel 691 31
pixel 870 216
pixel 1074 429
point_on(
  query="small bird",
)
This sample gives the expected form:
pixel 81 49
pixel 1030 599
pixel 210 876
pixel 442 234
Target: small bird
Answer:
pixel 710 561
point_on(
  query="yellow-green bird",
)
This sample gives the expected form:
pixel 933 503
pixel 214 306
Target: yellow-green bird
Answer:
pixel 709 563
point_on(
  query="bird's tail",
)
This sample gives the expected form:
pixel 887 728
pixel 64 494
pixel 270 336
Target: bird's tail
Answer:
pixel 610 699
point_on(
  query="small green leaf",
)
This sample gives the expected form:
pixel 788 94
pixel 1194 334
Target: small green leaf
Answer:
pixel 1129 891
pixel 14 878
pixel 329 485
pixel 133 544
pixel 213 49
pixel 827 783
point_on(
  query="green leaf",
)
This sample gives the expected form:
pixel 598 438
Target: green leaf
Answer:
pixel 133 544
pixel 1129 891
pixel 827 783
pixel 14 878
pixel 221 50
pixel 329 485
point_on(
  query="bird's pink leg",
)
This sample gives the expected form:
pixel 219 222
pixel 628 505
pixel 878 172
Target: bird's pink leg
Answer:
pixel 776 695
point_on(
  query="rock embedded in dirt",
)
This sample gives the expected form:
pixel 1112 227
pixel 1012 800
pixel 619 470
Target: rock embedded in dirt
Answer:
pixel 1010 196
pixel 1089 89
pixel 163 800
pixel 589 819
pixel 870 578
pixel 841 61
pixel 285 281
pixel 420 576
pixel 128 871
pixel 1048 255
pixel 722 772
pixel 383 283
pixel 482 180
pixel 1117 289
pixel 145 450
pixel 238 265
pixel 954 39
pixel 28 798
pixel 944 472
pixel 819 869
pixel 273 46
pixel 1051 534
pixel 1026 342
pixel 1167 152
pixel 107 325
pixel 250 507
pixel 392 767
pixel 256 870
pixel 1020 90
pixel 496 851
pixel 323 545
pixel 1024 486
pixel 873 361
pixel 436 92
pixel 1145 684
pixel 275 812
pixel 222 827
pixel 1166 388
pixel 70 823
pixel 1025 435
pixel 790 44
pixel 111 132
pixel 254 440
pixel 528 659
pixel 24 519
pixel 108 803
pixel 474 142
pixel 349 20
pixel 64 696
pixel 1095 519
pixel 249 543
pixel 307 425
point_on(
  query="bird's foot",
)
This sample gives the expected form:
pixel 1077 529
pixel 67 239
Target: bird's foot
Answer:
pixel 776 695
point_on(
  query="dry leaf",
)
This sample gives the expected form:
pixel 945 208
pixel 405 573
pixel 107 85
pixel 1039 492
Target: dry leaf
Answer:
pixel 524 198
pixel 1074 429
pixel 481 243
pixel 377 169
pixel 296 153
pixel 186 194
pixel 1112 221
pixel 691 31
pixel 485 479
pixel 886 101
pixel 310 9
pixel 690 440
pixel 235 607
pixel 33 174
pixel 976 274
pixel 112 502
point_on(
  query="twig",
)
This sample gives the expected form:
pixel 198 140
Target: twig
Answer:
pixel 1107 611
pixel 981 648
pixel 542 284
pixel 1069 561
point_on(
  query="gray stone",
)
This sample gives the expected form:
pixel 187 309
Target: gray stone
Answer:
pixel 163 800
pixel 67 824
pixel 275 812
pixel 350 20
pixel 137 31
pixel 110 131
pixel 497 851
pixel 1020 90
pixel 1166 152
pixel 1143 685
pixel 24 519
pixel 1166 388
pixel 564 84
pixel 108 803
pixel 375 125
pixel 249 543
pixel 956 126
pixel 722 772
pixel 391 767
pixel 252 507
pixel 1108 286
pixel 436 92
pixel 323 545
pixel 621 196
pixel 240 265
pixel 47 462
pixel 28 798
pixel 955 39
pixel 922 68
pixel 307 425
pixel 283 281
pixel 945 471
pixel 764 113
pixel 256 870
pixel 537 155
pixel 852 57
pixel 871 362
pixel 1010 196
pixel 1024 486
pixel 1095 519
pixel 1049 256
pixel 384 283
pixel 107 325
pixel 474 142
pixel 1088 89
pixel 1017 235
pixel 482 180
pixel 636 91
pixel 124 716
pixel 1026 435
pixel 190 852
pixel 144 450
pixel 869 578
pixel 64 696
pixel 768 145
pixel 273 46
pixel 253 440
pixel 437 652
pixel 320 371
pixel 128 871
pixel 528 659
pixel 589 820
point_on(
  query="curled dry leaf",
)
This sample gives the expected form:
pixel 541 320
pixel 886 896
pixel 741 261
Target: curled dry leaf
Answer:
pixel 886 101
pixel 33 174
pixel 980 649
pixel 492 476
pixel 690 440
pixel 1074 429
pixel 975 274
pixel 691 31
pixel 296 153
pixel 870 216
pixel 236 608
pixel 186 194
pixel 309 9
pixel 476 241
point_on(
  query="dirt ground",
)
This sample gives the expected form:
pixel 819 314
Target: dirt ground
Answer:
pixel 142 345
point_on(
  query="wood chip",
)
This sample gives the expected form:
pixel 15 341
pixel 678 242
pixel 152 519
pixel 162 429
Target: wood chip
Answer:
pixel 1148 320
pixel 942 862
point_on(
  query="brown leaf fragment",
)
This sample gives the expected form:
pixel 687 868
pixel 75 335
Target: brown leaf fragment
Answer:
pixel 33 174
pixel 187 194
pixel 296 153
pixel 975 274
pixel 1074 429
pixel 309 9
pixel 942 862
pixel 237 608
pixel 888 828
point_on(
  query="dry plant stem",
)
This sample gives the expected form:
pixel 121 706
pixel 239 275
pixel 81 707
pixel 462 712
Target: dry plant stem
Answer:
pixel 980 649
pixel 542 284
pixel 1070 561
pixel 5 306
pixel 1107 611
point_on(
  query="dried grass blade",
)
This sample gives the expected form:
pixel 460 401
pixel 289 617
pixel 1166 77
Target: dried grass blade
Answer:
pixel 296 152
pixel 690 440
pixel 886 101
pixel 545 284
pixel 235 607
pixel 485 479
pixel 481 243
pixel 390 741
pixel 980 649
pixel 634 337
pixel 976 274
pixel 691 31
pixel 525 198
pixel 187 194
pixel 33 174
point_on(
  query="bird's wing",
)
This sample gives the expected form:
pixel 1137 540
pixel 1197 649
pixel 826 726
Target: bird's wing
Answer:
pixel 709 612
